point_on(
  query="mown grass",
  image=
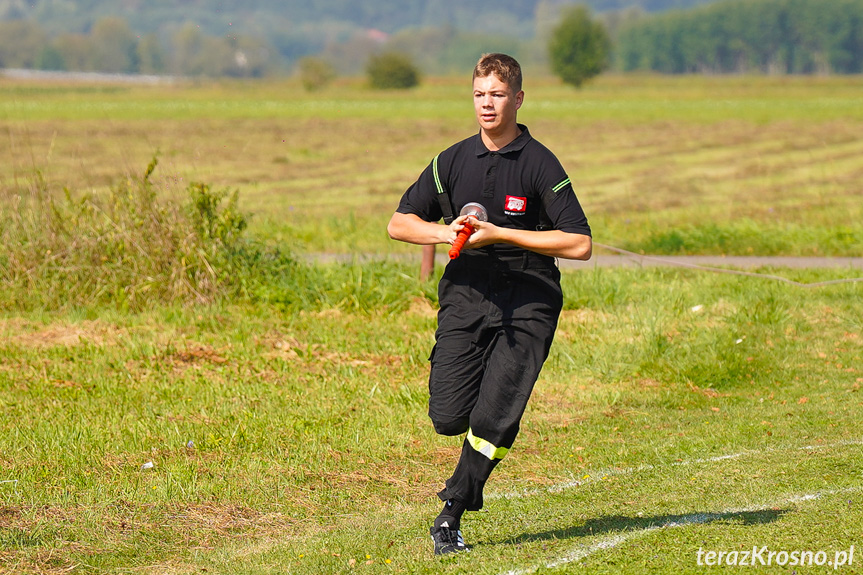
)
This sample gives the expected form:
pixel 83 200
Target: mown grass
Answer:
pixel 674 165
pixel 310 447
pixel 284 413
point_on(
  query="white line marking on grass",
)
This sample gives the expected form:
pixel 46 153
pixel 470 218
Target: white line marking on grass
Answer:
pixel 837 444
pixel 612 541
pixel 715 459
pixel 599 475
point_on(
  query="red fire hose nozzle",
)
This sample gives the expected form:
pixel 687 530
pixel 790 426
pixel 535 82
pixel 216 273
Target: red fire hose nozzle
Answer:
pixel 471 210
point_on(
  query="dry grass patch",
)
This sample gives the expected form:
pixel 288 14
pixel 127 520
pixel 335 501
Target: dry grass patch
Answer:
pixel 122 524
pixel 197 354
pixel 28 334
pixel 319 358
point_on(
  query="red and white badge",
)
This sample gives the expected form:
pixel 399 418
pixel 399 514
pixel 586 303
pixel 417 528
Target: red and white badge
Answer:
pixel 515 206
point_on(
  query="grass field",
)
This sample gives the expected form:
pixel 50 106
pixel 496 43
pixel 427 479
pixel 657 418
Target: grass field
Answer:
pixel 281 427
pixel 685 165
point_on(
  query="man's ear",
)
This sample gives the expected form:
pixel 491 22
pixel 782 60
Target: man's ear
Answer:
pixel 519 99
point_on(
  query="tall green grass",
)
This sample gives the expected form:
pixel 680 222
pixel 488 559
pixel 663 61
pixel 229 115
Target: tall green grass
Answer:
pixel 131 247
pixel 745 236
pixel 143 244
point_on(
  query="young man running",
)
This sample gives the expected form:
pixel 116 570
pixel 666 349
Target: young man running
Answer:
pixel 500 300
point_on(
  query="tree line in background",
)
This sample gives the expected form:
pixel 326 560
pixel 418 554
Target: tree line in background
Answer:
pixel 745 36
pixel 728 36
pixel 112 47
pixel 299 22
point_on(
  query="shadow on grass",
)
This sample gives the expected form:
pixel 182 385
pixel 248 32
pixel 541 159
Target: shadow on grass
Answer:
pixel 623 524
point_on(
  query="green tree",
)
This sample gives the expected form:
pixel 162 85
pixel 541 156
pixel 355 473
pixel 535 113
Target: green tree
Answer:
pixel 315 73
pixel 392 70
pixel 187 45
pixel 21 43
pixel 50 58
pixel 216 58
pixel 76 50
pixel 249 57
pixel 350 53
pixel 579 47
pixel 151 56
pixel 114 46
pixel 425 47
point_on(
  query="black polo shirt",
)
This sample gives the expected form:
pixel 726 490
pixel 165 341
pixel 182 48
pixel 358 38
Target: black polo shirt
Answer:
pixel 522 186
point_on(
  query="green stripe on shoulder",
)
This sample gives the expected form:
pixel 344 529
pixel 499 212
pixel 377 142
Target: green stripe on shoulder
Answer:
pixel 437 181
pixel 561 185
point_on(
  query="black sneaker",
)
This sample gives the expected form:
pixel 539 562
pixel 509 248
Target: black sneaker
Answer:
pixel 447 540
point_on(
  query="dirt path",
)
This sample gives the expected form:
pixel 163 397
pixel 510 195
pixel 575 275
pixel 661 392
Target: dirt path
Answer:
pixel 739 262
pixel 633 260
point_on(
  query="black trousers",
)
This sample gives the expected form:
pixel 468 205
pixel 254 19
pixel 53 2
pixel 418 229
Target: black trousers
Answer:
pixel 496 323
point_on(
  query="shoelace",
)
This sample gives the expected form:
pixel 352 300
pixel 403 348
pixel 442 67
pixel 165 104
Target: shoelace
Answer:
pixel 453 537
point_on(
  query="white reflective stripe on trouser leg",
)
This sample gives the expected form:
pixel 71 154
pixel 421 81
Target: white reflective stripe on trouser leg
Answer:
pixel 491 451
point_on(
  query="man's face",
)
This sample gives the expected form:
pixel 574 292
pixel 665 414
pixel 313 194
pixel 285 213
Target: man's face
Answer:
pixel 495 104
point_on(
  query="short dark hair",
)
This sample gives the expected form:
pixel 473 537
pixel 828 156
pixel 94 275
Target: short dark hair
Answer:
pixel 506 68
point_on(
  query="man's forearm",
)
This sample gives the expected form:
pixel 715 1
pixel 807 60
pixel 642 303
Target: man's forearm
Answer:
pixel 554 243
pixel 413 230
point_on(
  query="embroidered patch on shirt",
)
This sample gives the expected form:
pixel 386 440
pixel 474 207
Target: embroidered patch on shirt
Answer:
pixel 515 206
